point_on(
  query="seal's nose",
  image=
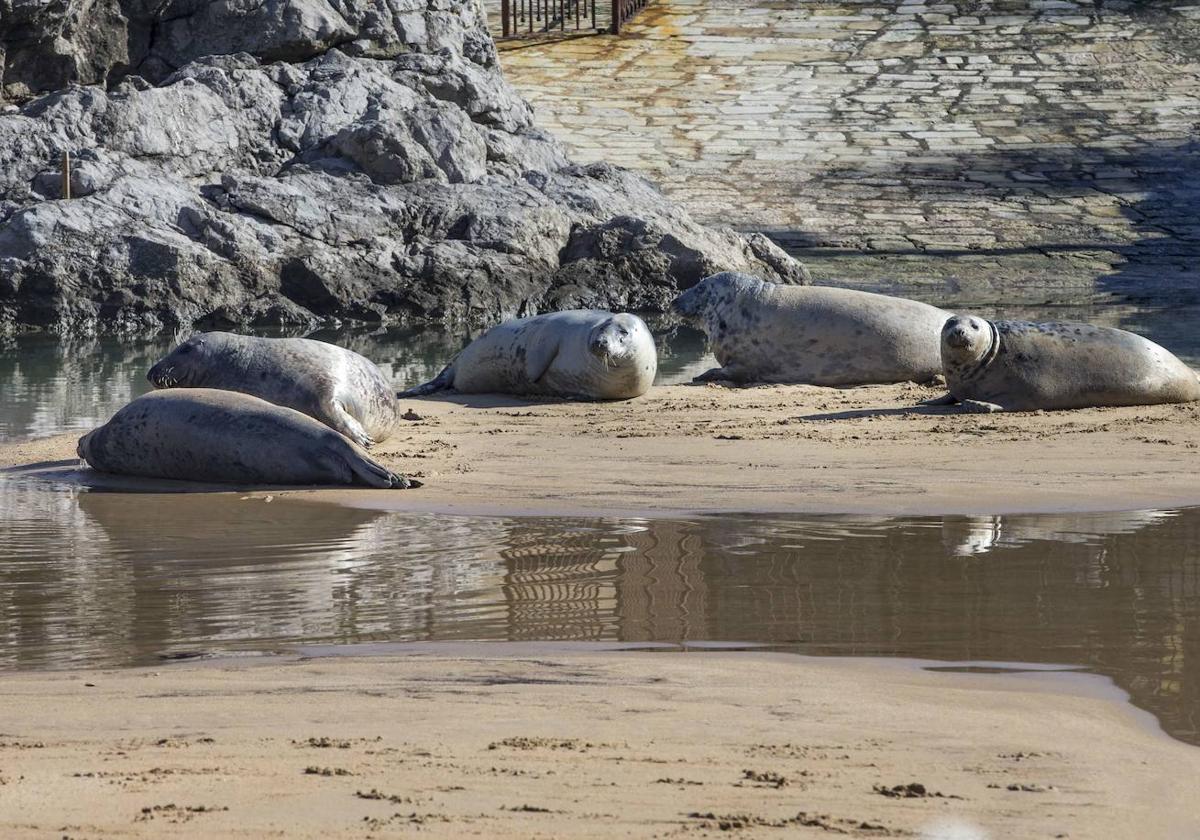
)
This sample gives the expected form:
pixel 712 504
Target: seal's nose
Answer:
pixel 159 374
pixel 598 346
pixel 958 338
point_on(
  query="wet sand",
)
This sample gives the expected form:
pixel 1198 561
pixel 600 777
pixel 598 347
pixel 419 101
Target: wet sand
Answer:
pixel 683 449
pixel 493 742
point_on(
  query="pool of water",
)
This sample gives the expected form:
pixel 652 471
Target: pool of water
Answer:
pixel 53 385
pixel 100 578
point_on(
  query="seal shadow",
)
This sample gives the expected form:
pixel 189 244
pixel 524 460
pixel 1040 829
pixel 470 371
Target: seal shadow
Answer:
pixel 494 400
pixel 856 413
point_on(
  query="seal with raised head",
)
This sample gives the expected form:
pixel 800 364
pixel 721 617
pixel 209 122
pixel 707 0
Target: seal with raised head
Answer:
pixel 580 353
pixel 204 434
pixel 342 389
pixel 812 335
pixel 1022 366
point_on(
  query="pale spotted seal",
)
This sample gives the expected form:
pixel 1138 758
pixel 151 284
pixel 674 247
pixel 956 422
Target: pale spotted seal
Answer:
pixel 203 434
pixel 580 353
pixel 342 389
pixel 1021 366
pixel 814 335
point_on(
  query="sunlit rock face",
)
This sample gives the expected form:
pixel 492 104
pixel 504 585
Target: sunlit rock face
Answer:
pixel 298 161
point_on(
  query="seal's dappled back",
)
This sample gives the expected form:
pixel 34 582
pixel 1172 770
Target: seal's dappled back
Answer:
pixel 219 436
pixel 815 335
pixel 579 353
pixel 1023 366
pixel 342 389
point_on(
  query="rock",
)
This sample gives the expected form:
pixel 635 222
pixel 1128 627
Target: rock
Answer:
pixel 332 161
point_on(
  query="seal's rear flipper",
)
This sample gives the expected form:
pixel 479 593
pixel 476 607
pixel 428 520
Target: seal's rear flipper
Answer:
pixel 948 399
pixel 444 381
pixel 366 470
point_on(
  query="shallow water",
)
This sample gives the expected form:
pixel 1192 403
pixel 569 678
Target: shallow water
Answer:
pixel 52 385
pixel 96 578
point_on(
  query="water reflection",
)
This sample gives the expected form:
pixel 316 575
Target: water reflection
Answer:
pixel 111 579
pixel 53 385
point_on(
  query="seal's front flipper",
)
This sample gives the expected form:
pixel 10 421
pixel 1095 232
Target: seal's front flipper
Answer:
pixel 719 374
pixel 979 407
pixel 539 355
pixel 444 381
pixel 948 399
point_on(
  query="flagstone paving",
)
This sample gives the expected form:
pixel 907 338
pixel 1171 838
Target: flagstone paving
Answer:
pixel 975 150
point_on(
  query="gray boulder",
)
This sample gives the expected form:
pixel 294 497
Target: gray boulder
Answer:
pixel 334 162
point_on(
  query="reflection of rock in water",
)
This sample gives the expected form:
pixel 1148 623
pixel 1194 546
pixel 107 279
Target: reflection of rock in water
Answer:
pixel 683 352
pixel 970 535
pixel 406 355
pixel 52 383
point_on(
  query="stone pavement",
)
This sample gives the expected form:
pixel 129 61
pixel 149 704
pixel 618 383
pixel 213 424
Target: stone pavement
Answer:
pixel 981 151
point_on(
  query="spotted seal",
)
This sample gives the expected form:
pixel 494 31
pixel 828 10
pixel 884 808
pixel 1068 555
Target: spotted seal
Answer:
pixel 1022 366
pixel 342 389
pixel 203 434
pixel 814 335
pixel 579 353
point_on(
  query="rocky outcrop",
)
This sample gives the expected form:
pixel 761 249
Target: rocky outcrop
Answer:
pixel 297 161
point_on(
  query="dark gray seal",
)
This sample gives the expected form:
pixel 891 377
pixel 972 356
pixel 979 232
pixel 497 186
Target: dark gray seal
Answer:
pixel 342 389
pixel 1021 366
pixel 203 434
pixel 580 354
pixel 813 335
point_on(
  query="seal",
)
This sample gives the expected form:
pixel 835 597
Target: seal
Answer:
pixel 1022 366
pixel 203 434
pixel 342 389
pixel 580 353
pixel 813 335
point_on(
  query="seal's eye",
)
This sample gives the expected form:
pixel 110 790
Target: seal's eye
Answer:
pixel 974 326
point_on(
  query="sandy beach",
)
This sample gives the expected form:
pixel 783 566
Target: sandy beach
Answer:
pixel 498 741
pixel 795 448
pixel 495 742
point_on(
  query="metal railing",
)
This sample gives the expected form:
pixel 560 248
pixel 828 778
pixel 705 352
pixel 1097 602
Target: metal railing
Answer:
pixel 522 18
pixel 623 11
pixel 529 17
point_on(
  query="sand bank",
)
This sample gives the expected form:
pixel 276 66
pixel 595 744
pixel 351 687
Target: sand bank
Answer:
pixel 477 740
pixel 683 449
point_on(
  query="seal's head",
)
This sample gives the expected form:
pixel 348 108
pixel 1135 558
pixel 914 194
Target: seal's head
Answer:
pixel 184 366
pixel 712 291
pixel 966 340
pixel 82 448
pixel 620 340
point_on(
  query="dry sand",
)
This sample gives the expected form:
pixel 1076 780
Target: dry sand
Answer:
pixel 458 742
pixel 771 449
